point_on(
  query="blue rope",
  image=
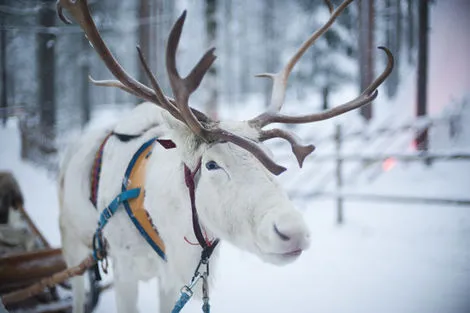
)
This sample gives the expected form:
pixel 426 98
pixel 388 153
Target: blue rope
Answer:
pixel 206 307
pixel 187 293
pixel 181 302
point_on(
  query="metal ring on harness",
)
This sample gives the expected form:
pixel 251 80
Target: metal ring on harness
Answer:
pixel 100 250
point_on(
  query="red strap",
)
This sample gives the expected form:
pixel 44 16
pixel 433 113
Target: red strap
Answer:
pixel 189 180
pixel 206 238
pixel 166 143
pixel 96 171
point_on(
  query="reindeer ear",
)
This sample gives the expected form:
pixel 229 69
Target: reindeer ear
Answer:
pixel 178 132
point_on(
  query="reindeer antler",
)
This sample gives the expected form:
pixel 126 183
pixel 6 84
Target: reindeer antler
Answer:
pixel 80 12
pixel 179 108
pixel 182 89
pixel 279 79
pixel 202 126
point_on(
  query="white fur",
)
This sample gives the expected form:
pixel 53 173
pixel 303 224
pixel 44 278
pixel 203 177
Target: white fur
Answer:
pixel 240 203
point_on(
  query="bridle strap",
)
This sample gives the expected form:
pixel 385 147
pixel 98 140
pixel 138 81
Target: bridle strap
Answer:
pixel 207 247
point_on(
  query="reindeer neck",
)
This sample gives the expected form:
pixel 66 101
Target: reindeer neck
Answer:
pixel 168 202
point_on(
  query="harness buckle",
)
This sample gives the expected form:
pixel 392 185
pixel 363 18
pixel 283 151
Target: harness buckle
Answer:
pixel 187 290
pixel 104 265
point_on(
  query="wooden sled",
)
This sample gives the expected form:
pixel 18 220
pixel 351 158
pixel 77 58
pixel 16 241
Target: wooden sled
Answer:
pixel 26 258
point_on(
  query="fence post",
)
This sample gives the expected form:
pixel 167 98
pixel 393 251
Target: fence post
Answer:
pixel 339 178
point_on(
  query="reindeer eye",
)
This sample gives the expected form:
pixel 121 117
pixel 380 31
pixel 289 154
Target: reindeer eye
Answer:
pixel 212 165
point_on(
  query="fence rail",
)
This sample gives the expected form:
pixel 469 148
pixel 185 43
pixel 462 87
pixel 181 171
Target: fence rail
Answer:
pixel 464 156
pixel 454 124
pixel 384 197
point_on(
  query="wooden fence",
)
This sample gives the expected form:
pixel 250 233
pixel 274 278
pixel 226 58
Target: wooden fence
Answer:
pixel 452 122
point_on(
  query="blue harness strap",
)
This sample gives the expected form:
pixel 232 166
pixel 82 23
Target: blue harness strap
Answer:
pixel 135 208
pixel 99 245
pixel 109 211
pixel 131 197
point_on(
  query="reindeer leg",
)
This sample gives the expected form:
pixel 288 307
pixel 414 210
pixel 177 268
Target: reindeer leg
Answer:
pixel 74 252
pixel 125 286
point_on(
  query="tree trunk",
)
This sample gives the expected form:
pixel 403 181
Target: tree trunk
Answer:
pixel 153 38
pixel 228 44
pixel 411 30
pixel 366 46
pixel 211 31
pixel 243 50
pixel 3 65
pixel 421 107
pixel 163 17
pixel 325 95
pixel 398 20
pixel 153 33
pixel 46 71
pixel 393 43
pixel 269 53
pixel 144 38
pixel 85 83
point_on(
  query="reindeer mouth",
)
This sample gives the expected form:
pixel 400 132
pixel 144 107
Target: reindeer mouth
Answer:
pixel 288 255
pixel 294 253
pixel 280 258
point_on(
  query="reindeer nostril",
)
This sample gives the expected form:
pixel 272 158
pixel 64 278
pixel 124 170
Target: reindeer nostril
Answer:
pixel 283 236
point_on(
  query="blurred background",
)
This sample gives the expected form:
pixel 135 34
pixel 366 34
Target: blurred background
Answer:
pixel 45 63
pixel 386 193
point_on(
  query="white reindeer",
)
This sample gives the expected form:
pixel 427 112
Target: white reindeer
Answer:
pixel 236 197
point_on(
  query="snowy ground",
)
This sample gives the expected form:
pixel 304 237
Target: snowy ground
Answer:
pixel 385 258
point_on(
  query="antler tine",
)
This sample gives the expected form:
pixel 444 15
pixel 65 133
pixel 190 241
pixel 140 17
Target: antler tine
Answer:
pixel 182 88
pixel 379 80
pixel 80 12
pixel 280 78
pixel 251 146
pixel 368 95
pixel 157 89
pixel 111 83
pixel 330 6
pixel 117 84
pixel 300 151
pixel 60 13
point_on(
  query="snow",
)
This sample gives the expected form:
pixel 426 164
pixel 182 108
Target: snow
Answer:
pixel 386 257
pixel 38 187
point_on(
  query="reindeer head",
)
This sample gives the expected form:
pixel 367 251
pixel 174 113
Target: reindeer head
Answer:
pixel 238 200
pixel 237 196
